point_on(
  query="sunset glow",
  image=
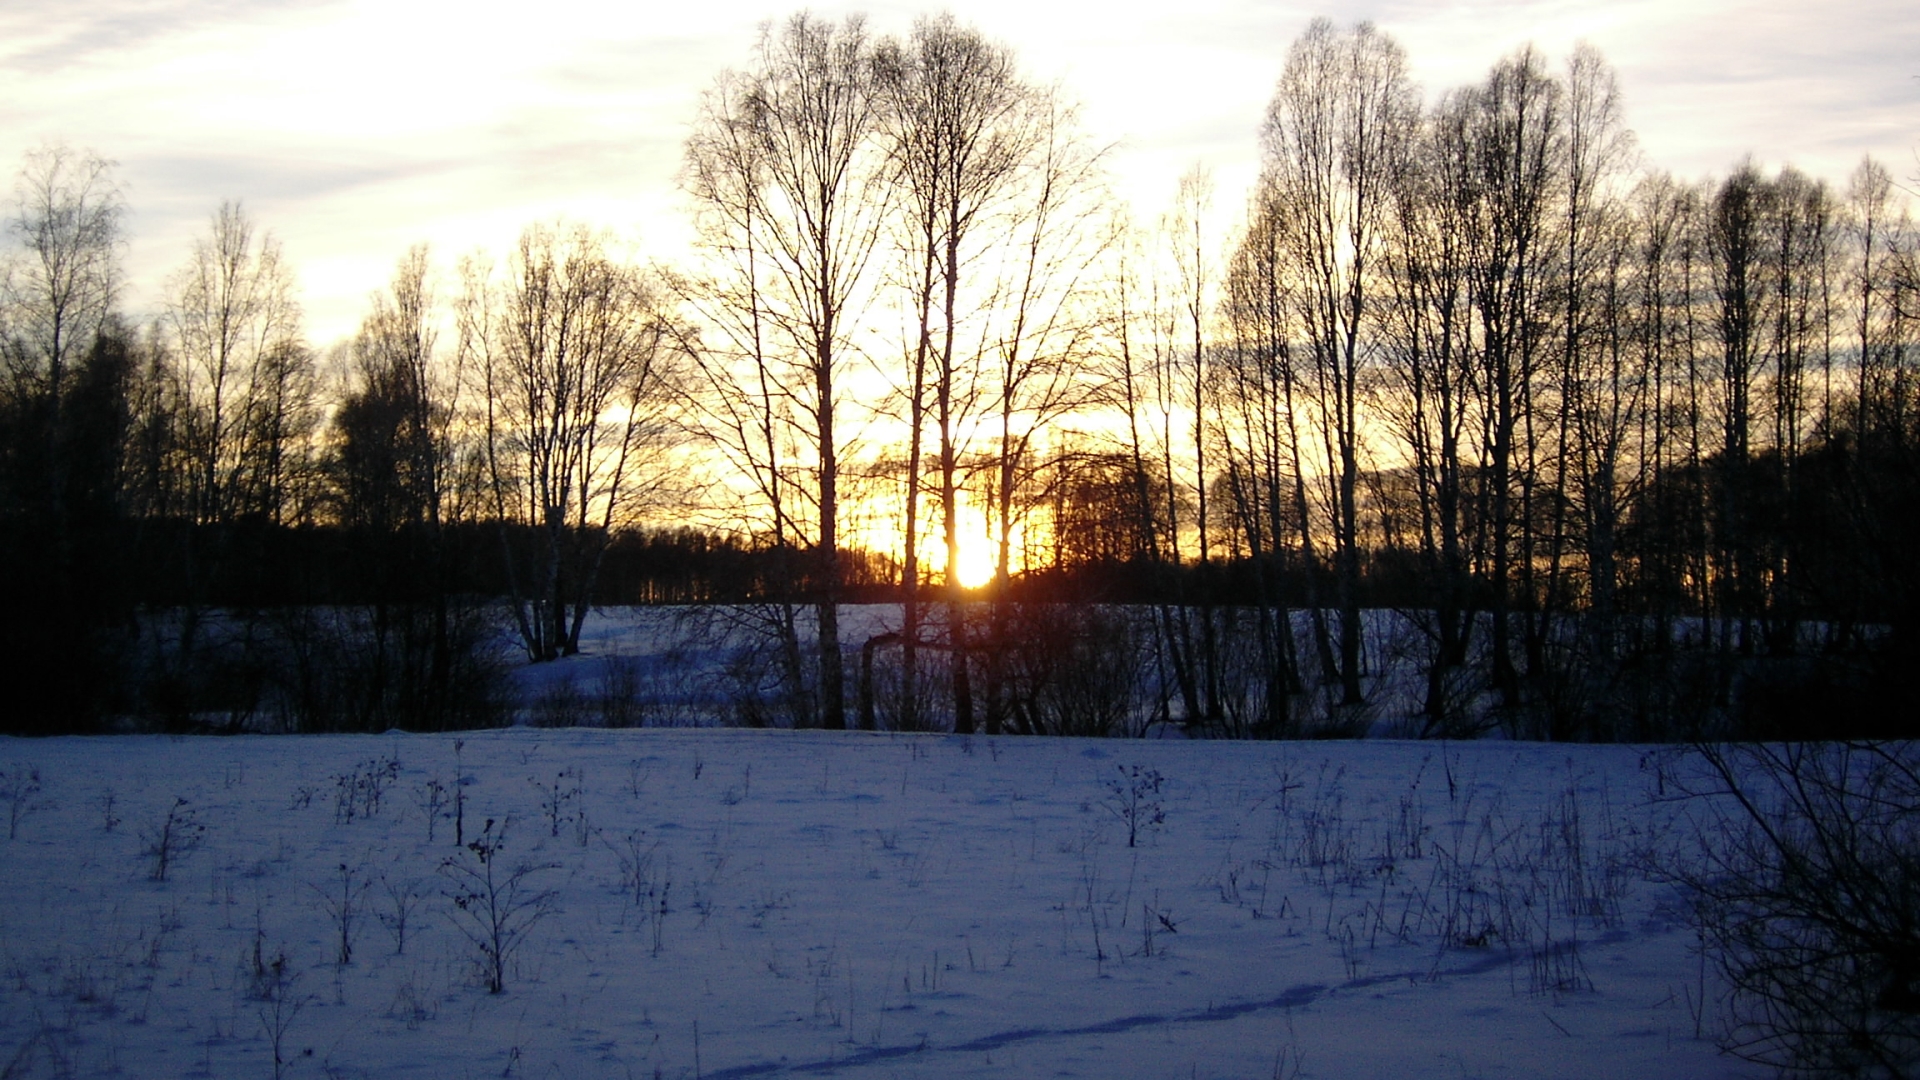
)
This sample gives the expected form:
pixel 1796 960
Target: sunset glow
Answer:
pixel 879 531
pixel 357 129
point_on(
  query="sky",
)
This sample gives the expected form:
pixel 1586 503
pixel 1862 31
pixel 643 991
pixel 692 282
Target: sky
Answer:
pixel 353 129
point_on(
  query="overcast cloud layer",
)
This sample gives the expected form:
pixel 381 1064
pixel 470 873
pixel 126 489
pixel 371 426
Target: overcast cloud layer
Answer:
pixel 354 128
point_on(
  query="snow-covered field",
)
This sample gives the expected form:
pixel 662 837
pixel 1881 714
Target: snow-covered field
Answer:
pixel 726 903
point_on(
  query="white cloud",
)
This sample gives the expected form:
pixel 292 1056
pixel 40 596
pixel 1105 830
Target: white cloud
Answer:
pixel 353 128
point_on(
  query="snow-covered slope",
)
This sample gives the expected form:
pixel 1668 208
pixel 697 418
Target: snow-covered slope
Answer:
pixel 723 903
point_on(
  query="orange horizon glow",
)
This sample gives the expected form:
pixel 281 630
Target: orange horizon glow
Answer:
pixel 880 530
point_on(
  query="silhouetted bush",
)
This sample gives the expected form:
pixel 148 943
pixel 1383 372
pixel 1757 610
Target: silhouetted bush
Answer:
pixel 1806 890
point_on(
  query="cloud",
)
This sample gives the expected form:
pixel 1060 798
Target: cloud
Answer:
pixel 354 128
pixel 48 36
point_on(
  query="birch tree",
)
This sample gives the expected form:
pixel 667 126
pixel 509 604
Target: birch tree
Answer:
pixel 806 217
pixel 959 128
pixel 1334 142
pixel 236 333
pixel 575 355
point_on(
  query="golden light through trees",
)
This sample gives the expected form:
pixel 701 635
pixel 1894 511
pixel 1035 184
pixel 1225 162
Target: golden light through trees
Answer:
pixel 1459 353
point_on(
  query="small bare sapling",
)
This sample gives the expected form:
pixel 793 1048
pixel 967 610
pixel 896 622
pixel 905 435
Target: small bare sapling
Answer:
pixel 403 898
pixel 433 798
pixel 1134 798
pixel 177 834
pixel 556 796
pixel 638 869
pixel 275 989
pixel 459 794
pixel 20 786
pixel 646 881
pixel 493 906
pixel 341 900
pixel 359 793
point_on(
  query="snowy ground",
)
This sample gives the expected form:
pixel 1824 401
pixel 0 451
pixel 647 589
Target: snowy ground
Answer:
pixel 724 903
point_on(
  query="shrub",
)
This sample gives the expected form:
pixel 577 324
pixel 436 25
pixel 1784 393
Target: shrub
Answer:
pixel 1073 669
pixel 20 788
pixel 493 905
pixel 559 704
pixel 1806 887
pixel 178 833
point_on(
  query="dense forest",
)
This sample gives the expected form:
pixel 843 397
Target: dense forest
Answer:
pixel 1632 456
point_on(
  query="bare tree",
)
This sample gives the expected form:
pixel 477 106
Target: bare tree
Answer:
pixel 1736 250
pixel 1602 392
pixel 154 480
pixel 1429 346
pixel 1334 141
pixel 735 400
pixel 58 295
pixel 62 281
pixel 63 362
pixel 236 333
pixel 1135 383
pixel 1042 333
pixel 1259 315
pixel 394 421
pixel 1583 394
pixel 394 458
pixel 575 356
pixel 960 129
pixel 1771 247
pixel 1512 140
pixel 1802 227
pixel 1874 226
pixel 1152 384
pixel 1180 319
pixel 796 214
pixel 245 381
pixel 1660 329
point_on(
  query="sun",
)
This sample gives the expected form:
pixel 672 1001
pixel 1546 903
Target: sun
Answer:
pixel 976 560
pixel 979 546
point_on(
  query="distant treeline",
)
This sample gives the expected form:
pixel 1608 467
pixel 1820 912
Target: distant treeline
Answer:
pixel 1633 457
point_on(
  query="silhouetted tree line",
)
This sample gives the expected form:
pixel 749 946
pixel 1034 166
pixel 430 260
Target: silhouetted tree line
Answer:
pixel 1627 453
pixel 204 523
pixel 1598 453
pixel 1648 439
